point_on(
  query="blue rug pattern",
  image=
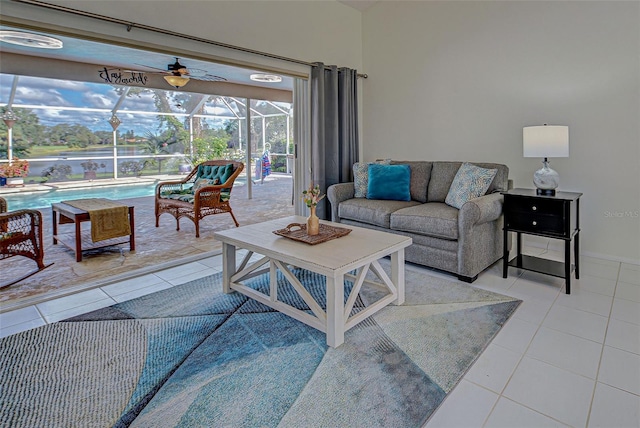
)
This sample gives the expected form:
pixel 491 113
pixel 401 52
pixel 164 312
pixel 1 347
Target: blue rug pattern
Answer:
pixel 192 356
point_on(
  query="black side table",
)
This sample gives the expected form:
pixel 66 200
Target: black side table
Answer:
pixel 555 217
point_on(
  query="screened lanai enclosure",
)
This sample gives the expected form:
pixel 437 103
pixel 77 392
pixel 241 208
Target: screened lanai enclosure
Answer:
pixel 72 131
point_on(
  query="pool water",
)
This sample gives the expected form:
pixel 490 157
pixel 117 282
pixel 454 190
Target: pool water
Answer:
pixel 38 200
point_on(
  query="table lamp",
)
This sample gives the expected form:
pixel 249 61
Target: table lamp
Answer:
pixel 546 141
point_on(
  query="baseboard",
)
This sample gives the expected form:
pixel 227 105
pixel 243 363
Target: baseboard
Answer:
pixel 558 245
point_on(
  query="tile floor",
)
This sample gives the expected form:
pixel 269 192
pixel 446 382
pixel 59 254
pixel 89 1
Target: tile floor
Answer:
pixel 560 361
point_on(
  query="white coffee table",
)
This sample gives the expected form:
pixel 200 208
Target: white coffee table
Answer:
pixel 360 250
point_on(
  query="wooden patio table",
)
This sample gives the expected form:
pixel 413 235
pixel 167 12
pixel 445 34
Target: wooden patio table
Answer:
pixel 79 242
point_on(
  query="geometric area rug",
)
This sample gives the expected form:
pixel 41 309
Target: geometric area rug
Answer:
pixel 192 356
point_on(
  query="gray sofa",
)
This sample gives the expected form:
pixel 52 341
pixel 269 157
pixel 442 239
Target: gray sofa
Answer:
pixel 463 242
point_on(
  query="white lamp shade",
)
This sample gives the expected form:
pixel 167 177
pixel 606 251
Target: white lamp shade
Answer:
pixel 545 141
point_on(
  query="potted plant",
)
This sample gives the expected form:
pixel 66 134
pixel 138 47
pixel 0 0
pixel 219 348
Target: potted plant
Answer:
pixel 15 171
pixel 57 172
pixel 90 167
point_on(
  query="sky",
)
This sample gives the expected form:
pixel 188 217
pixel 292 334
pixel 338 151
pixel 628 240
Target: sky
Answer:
pixel 101 98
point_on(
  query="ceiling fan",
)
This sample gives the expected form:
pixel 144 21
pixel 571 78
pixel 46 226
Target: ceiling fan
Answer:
pixel 178 75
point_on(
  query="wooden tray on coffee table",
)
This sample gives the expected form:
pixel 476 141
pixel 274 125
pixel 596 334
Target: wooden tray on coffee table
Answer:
pixel 298 232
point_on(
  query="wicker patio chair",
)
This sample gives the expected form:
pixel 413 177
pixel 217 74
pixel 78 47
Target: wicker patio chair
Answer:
pixel 21 235
pixel 204 191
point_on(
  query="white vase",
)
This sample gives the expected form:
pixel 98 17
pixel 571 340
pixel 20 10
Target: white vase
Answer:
pixel 15 181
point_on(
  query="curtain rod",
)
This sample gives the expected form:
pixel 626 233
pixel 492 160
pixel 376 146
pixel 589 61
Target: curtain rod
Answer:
pixel 129 25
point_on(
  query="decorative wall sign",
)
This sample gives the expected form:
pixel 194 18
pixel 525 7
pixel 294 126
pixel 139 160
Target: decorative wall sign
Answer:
pixel 118 77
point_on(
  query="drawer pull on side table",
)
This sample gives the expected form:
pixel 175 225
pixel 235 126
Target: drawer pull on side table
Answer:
pixel 556 217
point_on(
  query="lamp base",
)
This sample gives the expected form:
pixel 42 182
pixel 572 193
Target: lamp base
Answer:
pixel 546 192
pixel 546 180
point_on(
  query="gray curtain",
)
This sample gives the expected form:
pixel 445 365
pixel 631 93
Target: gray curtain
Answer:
pixel 334 128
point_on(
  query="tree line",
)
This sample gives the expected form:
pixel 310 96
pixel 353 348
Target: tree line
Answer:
pixel 170 136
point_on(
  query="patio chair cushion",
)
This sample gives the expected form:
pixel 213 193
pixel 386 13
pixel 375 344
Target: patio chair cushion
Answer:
pixel 184 189
pixel 221 172
pixel 187 194
pixel 184 197
pixel 9 235
pixel 178 198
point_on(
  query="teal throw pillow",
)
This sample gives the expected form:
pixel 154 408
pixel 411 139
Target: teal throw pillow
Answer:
pixel 361 176
pixel 390 182
pixel 470 182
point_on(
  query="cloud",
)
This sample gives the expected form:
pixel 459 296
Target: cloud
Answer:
pixel 100 100
pixel 70 94
pixel 35 96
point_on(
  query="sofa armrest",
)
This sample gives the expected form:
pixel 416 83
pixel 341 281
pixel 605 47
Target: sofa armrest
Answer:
pixel 480 210
pixel 479 234
pixel 337 193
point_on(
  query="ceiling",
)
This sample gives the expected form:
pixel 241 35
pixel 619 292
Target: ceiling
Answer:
pixel 113 56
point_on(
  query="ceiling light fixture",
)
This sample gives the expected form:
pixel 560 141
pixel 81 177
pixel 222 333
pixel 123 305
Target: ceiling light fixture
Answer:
pixel 29 39
pixel 176 81
pixel 269 78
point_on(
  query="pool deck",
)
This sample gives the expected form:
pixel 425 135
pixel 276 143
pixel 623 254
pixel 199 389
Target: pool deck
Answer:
pixel 156 248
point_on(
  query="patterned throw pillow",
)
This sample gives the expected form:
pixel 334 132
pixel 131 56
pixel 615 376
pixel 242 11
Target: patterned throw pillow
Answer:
pixel 203 182
pixel 361 176
pixel 470 182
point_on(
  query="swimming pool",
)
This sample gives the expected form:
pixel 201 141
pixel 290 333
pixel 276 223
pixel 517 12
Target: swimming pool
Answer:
pixel 44 199
pixel 39 200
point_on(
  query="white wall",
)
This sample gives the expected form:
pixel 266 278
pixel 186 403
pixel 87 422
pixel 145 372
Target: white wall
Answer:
pixel 459 80
pixel 310 31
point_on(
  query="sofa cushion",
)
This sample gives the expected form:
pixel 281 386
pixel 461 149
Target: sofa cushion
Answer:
pixel 420 174
pixel 501 180
pixel 371 211
pixel 442 174
pixel 389 182
pixel 470 182
pixel 431 219
pixel 361 176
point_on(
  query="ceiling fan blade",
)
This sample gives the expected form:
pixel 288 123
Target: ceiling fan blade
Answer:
pixel 153 68
pixel 195 72
pixel 210 78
